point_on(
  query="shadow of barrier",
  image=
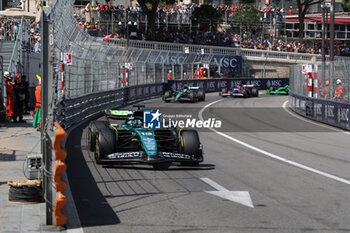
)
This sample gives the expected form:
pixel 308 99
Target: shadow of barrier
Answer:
pixel 326 111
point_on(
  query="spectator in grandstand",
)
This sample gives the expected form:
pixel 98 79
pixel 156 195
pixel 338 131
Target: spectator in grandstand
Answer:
pixel 170 77
pixel 37 46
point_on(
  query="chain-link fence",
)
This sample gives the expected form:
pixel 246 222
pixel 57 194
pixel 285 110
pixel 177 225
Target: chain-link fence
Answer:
pixel 320 81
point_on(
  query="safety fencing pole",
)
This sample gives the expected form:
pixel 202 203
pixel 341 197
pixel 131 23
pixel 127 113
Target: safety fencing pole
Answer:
pixel 310 85
pixel 315 83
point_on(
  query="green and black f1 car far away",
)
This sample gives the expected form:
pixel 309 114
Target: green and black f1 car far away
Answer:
pixel 278 90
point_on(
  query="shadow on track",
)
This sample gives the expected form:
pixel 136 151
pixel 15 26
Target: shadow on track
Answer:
pixel 92 206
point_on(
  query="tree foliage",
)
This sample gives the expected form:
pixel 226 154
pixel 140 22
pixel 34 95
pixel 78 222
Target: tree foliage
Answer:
pixel 206 16
pixel 303 7
pixel 149 7
pixel 346 5
pixel 247 15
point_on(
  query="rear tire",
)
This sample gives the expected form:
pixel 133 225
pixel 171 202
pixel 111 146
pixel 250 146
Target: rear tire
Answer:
pixel 166 96
pixel 105 144
pixel 190 145
pixel 255 92
pixel 245 94
pixel 192 97
pixel 201 95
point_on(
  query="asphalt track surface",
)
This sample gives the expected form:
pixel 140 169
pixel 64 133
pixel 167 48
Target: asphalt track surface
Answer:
pixel 286 197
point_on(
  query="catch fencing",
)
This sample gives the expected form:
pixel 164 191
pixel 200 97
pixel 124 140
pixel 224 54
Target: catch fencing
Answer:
pixel 320 83
pixel 321 92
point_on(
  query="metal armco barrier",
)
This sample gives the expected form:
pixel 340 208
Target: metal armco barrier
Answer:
pixel 143 91
pixel 60 183
pixel 213 85
pixel 327 111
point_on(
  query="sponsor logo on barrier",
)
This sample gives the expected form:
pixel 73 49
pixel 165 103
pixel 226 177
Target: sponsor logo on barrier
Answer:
pixel 222 84
pixel 318 109
pixel 256 83
pixel 225 62
pixel 211 85
pixel 343 114
pixel 172 59
pixel 236 83
pixel 329 111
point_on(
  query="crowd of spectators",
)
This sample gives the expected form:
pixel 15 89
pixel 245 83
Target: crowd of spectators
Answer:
pixel 8 28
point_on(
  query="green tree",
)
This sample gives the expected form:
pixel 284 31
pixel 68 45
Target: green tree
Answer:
pixel 247 16
pixel 149 7
pixel 303 7
pixel 206 16
pixel 346 5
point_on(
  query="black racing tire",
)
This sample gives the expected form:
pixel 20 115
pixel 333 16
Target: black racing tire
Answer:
pixel 190 145
pixel 245 94
pixel 105 144
pixel 161 166
pixel 166 96
pixel 93 127
pixel 223 91
pixel 201 95
pixel 255 92
pixel 192 97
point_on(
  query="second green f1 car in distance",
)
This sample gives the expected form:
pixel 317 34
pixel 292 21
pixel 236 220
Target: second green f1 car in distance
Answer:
pixel 278 90
pixel 190 94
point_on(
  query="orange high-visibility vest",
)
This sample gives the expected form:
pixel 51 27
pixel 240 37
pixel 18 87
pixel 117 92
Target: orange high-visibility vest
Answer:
pixel 38 96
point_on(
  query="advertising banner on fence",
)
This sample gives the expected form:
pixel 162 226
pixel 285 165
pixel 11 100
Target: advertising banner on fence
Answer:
pixel 212 85
pixel 322 110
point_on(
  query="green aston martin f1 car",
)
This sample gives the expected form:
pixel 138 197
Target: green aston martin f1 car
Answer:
pixel 191 94
pixel 278 90
pixel 125 138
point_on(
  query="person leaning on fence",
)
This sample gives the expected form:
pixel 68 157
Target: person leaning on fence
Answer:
pixel 37 111
pixel 339 92
pixel 9 95
pixel 170 77
pixel 19 97
pixel 325 90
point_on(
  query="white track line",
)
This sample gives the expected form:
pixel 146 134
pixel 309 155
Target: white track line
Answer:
pixel 284 106
pixel 345 181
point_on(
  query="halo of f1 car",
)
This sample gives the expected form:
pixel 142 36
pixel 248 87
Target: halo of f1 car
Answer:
pixel 278 90
pixel 244 91
pixel 122 138
pixel 190 94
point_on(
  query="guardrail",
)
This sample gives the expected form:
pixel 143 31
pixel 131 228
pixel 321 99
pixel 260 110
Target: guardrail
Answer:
pixel 326 111
pixel 248 54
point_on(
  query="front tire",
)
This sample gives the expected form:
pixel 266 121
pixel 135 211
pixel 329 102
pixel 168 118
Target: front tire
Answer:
pixel 93 127
pixel 190 145
pixel 105 144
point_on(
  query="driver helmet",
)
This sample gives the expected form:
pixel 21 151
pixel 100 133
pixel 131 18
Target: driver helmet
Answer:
pixel 185 86
pixel 338 81
pixel 6 74
pixel 18 78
